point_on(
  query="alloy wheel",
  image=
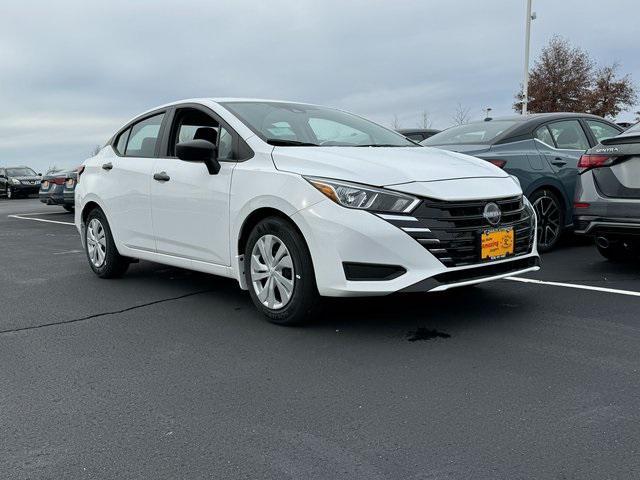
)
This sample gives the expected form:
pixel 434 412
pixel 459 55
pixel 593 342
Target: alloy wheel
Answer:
pixel 96 243
pixel 272 273
pixel 548 214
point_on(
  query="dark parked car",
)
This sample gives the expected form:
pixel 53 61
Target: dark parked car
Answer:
pixel 542 150
pixel 18 182
pixel 418 134
pixel 58 187
pixel 607 202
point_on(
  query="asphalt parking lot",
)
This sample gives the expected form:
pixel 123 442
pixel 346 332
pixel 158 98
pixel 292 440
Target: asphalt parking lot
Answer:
pixel 173 374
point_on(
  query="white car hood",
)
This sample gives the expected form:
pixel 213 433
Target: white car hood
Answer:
pixel 383 166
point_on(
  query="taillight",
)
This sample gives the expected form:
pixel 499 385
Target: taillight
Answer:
pixel 497 163
pixel 69 183
pixel 79 171
pixel 594 161
pixel 581 205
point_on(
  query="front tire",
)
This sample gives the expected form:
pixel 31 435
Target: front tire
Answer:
pixel 100 248
pixel 550 215
pixel 279 273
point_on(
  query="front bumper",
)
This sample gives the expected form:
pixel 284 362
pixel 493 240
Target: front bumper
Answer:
pixel 25 189
pixel 336 234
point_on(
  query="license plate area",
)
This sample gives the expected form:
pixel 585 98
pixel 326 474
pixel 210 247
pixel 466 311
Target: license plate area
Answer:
pixel 497 243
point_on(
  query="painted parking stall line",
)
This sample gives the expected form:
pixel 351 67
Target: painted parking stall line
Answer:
pixel 29 216
pixel 576 286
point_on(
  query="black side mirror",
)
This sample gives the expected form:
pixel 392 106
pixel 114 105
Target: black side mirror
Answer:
pixel 199 151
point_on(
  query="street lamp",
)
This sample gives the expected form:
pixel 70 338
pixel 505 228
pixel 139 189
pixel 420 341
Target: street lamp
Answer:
pixel 527 39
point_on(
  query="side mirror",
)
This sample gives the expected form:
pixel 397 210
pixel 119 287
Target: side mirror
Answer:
pixel 199 151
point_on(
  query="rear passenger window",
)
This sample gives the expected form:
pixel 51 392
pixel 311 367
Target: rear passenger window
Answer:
pixel 544 135
pixel 569 135
pixel 121 143
pixel 144 137
pixel 601 130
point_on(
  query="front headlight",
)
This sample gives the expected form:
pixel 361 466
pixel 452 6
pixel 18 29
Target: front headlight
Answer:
pixel 361 197
pixel 15 181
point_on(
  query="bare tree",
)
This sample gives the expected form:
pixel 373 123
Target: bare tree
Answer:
pixel 564 79
pixel 610 94
pixel 462 115
pixel 395 123
pixel 425 120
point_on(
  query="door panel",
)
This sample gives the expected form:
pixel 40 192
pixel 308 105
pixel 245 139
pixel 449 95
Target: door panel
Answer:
pixel 125 189
pixel 570 143
pixel 190 211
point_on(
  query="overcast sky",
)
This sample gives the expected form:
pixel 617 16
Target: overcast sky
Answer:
pixel 71 72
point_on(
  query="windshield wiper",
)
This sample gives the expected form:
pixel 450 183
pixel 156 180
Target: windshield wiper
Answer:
pixel 385 145
pixel 279 142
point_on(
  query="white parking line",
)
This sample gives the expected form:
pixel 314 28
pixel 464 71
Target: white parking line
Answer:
pixel 573 285
pixel 25 217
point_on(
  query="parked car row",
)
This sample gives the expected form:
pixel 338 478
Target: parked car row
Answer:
pixel 54 188
pixel 58 188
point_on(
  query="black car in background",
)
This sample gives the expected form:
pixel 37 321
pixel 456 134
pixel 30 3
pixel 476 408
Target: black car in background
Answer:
pixel 58 188
pixel 418 134
pixel 607 201
pixel 18 182
pixel 542 150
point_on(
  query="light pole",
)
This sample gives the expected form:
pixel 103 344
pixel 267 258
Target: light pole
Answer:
pixel 527 40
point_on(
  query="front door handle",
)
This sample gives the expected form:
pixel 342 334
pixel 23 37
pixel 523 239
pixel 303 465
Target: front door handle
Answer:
pixel 161 177
pixel 107 166
pixel 559 162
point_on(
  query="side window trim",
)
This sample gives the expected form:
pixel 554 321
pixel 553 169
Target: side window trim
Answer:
pixel 133 122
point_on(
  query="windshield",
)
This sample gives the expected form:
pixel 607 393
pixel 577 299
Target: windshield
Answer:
pixel 20 172
pixel 293 124
pixel 472 133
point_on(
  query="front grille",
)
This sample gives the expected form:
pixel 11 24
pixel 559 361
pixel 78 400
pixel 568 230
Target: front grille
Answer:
pixel 451 230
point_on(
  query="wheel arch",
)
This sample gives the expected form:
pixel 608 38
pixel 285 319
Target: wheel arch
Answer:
pixel 556 188
pixel 255 217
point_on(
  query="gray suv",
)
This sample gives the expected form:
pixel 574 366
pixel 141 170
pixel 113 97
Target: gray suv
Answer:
pixel 607 200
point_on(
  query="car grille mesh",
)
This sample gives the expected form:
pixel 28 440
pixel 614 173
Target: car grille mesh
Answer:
pixel 451 230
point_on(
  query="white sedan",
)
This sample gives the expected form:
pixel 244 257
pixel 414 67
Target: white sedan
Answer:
pixel 298 201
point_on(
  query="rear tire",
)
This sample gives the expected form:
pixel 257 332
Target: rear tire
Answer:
pixel 100 248
pixel 279 273
pixel 550 215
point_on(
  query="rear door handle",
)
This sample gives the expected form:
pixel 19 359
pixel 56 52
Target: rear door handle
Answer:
pixel 559 162
pixel 161 177
pixel 107 166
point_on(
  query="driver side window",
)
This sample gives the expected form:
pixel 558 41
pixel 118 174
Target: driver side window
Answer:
pixel 193 124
